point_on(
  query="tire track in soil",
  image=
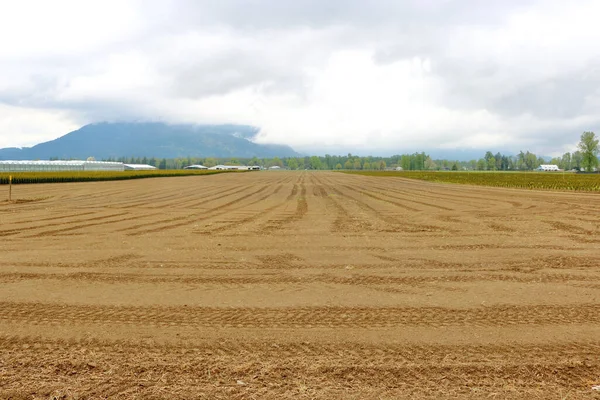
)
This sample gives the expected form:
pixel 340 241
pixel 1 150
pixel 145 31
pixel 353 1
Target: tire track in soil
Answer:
pixel 77 227
pixel 53 218
pixel 177 222
pixel 431 205
pixel 86 221
pixel 233 191
pixel 430 353
pixel 299 193
pixel 194 202
pixel 388 223
pixel 302 317
pixel 370 281
pixel 449 195
pixel 98 368
pixel 254 217
pixel 571 229
pixel 188 195
pixel 344 221
pixel 236 224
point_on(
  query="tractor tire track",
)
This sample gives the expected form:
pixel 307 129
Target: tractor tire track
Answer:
pixel 301 317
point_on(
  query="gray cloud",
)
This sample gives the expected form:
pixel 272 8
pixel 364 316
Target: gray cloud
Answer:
pixel 562 97
pixel 377 74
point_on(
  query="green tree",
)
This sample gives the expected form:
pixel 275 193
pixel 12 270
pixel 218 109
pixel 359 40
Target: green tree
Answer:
pixel 588 146
pixel 576 160
pixel 566 161
pixel 276 161
pixel 505 163
pixel 348 164
pixel 481 164
pixel 405 162
pixel 315 162
pixel 254 161
pixel 498 158
pixel 491 163
pixel 531 161
pixel 328 162
pixel 292 163
pixel 338 166
pixel 488 155
pixel 521 160
pixel 539 162
pixel 429 164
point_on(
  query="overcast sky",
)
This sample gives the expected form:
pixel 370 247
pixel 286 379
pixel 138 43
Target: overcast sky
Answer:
pixel 375 76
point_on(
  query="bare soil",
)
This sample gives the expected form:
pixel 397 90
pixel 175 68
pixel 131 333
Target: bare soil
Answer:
pixel 298 285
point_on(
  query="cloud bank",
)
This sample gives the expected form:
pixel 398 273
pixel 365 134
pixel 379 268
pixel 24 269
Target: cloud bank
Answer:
pixel 380 77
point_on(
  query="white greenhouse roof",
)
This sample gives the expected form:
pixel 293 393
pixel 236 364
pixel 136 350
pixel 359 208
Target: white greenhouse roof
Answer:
pixel 229 167
pixel 195 166
pixel 139 167
pixel 44 162
pixel 59 165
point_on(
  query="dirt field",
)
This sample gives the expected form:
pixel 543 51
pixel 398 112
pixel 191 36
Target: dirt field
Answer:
pixel 298 285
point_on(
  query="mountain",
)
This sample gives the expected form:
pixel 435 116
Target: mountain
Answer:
pixel 104 140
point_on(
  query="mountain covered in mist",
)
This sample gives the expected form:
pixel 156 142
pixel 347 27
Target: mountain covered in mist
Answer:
pixel 152 139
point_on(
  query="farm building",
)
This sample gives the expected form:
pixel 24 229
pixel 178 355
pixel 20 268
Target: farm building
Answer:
pixel 235 167
pixel 139 167
pixel 547 167
pixel 221 167
pixel 58 165
pixel 195 166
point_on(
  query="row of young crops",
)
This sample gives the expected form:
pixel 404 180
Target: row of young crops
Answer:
pixel 523 180
pixel 89 176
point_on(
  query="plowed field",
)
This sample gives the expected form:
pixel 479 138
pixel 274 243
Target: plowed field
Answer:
pixel 298 285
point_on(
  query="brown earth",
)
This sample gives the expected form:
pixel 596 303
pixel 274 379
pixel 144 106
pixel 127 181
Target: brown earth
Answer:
pixel 298 285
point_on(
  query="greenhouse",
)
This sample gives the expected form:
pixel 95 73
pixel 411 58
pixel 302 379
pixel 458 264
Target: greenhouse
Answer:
pixel 139 167
pixel 59 165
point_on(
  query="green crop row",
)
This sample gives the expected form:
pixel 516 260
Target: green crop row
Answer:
pixel 522 180
pixel 90 176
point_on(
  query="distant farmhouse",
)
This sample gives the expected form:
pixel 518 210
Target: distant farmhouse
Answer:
pixel 548 167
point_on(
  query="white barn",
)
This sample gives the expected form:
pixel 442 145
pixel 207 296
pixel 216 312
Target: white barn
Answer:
pixel 548 167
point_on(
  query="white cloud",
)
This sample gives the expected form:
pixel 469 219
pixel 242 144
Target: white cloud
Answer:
pixel 24 127
pixel 378 76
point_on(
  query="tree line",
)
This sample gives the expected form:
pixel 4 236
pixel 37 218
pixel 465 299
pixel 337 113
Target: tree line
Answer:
pixel 585 158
